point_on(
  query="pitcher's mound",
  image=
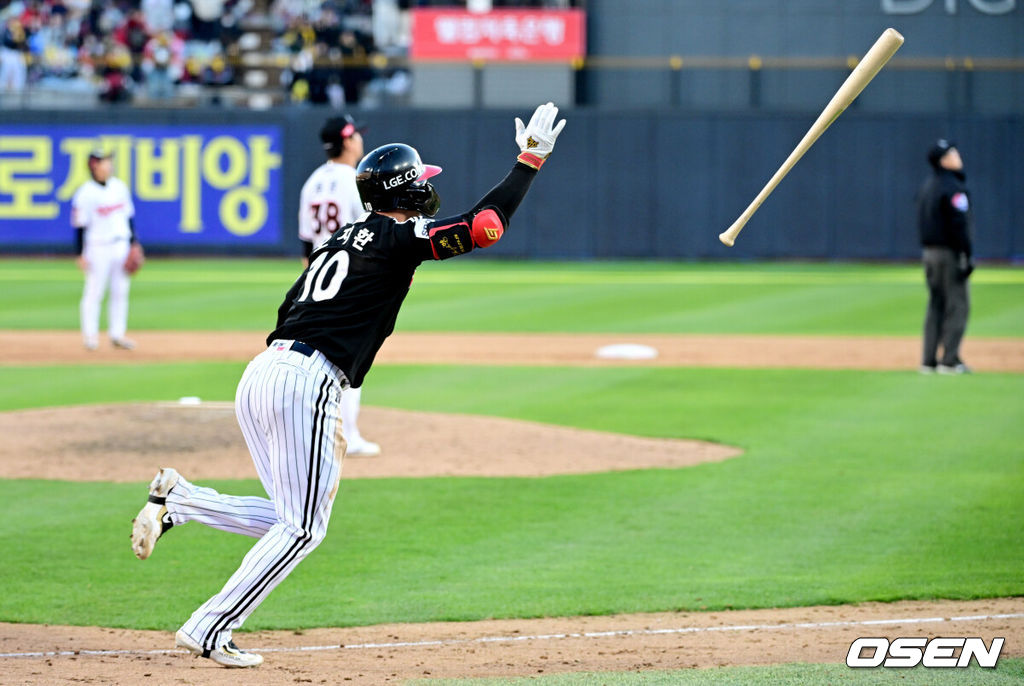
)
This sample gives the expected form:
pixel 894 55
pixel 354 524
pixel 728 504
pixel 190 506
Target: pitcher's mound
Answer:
pixel 128 443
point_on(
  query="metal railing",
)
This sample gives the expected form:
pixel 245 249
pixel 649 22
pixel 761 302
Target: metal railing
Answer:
pixel 961 74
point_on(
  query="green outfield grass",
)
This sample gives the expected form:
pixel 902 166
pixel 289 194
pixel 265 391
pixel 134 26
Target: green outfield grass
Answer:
pixel 480 295
pixel 1008 672
pixel 855 486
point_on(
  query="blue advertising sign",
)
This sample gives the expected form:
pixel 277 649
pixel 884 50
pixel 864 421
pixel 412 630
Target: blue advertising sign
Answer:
pixel 192 185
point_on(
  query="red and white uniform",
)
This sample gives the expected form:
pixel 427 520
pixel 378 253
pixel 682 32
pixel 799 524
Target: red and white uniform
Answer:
pixel 329 200
pixel 104 211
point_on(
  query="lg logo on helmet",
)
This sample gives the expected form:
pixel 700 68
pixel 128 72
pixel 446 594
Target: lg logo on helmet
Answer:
pixel 408 175
pixel 911 652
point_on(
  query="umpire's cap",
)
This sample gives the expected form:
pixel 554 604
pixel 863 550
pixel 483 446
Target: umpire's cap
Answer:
pixel 336 129
pixel 938 150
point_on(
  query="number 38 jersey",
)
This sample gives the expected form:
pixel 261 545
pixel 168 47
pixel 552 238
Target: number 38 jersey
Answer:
pixel 329 200
pixel 346 302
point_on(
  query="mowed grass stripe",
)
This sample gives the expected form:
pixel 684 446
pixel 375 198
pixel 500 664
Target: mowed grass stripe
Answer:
pixel 854 486
pixel 557 297
pixel 481 271
pixel 1009 671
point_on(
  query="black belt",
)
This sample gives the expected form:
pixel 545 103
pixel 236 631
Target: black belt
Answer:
pixel 300 347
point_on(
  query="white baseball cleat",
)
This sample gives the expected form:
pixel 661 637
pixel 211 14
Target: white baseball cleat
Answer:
pixel 362 448
pixel 153 519
pixel 91 343
pixel 123 343
pixel 228 654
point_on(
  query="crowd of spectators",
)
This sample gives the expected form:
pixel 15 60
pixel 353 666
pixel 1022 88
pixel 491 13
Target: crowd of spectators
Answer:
pixel 332 51
pixel 328 47
pixel 331 45
pixel 118 49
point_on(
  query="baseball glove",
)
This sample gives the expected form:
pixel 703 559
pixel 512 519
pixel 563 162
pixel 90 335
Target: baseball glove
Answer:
pixel 136 258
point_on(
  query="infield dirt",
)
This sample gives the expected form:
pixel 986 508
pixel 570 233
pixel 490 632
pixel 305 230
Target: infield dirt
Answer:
pixel 696 350
pixel 395 653
pixel 125 443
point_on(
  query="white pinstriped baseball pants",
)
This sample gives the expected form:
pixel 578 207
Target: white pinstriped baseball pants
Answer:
pixel 287 405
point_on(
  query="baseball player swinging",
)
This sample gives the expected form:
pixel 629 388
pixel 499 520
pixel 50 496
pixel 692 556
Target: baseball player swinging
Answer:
pixel 330 326
pixel 102 215
pixel 330 200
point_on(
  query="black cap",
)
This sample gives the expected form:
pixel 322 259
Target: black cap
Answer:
pixel 99 154
pixel 941 147
pixel 337 129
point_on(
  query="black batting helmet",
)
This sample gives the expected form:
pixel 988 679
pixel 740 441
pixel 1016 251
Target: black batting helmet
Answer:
pixel 393 177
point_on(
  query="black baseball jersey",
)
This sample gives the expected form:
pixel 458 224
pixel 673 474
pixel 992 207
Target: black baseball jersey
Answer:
pixel 944 214
pixel 346 302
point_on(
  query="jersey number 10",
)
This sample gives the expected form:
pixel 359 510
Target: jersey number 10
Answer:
pixel 324 276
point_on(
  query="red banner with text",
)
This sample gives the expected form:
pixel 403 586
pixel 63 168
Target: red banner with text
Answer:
pixel 508 34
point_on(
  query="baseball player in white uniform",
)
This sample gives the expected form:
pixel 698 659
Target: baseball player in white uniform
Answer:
pixel 329 201
pixel 102 215
pixel 330 326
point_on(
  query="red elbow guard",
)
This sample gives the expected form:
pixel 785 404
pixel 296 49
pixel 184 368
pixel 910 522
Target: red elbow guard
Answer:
pixel 487 228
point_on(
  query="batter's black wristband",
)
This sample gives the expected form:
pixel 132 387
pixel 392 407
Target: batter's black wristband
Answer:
pixel 159 500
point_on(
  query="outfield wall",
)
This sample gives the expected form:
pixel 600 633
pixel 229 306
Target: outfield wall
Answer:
pixel 967 33
pixel 622 184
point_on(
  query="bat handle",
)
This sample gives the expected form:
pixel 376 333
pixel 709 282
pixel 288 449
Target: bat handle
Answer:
pixel 729 235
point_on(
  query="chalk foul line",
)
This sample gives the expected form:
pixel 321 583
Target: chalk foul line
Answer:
pixel 547 637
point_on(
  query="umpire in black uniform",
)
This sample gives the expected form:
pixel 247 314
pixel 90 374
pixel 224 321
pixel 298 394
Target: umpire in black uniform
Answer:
pixel 945 222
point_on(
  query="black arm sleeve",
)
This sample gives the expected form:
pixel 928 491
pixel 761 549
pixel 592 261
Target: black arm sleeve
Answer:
pixel 959 236
pixel 131 227
pixel 79 239
pixel 507 195
pixel 307 249
pixel 504 198
pixel 286 306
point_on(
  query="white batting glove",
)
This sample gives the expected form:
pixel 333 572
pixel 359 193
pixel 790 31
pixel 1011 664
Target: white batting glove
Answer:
pixel 537 139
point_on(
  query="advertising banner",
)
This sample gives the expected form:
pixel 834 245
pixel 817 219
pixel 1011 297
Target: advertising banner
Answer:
pixel 509 34
pixel 192 185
